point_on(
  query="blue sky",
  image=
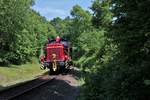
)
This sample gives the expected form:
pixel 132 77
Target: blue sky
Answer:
pixel 58 8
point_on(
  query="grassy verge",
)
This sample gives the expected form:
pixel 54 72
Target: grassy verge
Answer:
pixel 19 73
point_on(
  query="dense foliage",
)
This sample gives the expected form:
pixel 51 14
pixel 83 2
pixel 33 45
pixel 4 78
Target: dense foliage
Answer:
pixel 22 31
pixel 112 47
pixel 123 69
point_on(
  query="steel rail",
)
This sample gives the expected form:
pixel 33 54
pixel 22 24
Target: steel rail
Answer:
pixel 4 96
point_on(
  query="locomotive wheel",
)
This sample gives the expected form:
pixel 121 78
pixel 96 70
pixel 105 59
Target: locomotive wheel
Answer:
pixel 70 63
pixel 64 70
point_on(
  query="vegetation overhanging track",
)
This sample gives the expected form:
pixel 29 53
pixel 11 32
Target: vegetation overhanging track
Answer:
pixel 24 88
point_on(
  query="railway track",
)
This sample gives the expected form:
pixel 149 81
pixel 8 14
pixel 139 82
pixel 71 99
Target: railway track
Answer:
pixel 25 87
pixel 52 87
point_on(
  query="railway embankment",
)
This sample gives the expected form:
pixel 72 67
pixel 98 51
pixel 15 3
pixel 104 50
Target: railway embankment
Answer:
pixel 64 86
pixel 15 74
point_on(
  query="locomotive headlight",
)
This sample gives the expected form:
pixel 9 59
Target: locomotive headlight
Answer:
pixel 61 63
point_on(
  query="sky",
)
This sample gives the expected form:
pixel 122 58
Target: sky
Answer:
pixel 58 8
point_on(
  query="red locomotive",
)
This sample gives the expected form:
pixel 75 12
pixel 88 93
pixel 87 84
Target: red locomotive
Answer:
pixel 57 55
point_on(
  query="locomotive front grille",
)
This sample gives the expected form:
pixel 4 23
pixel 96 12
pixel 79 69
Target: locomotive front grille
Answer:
pixel 54 52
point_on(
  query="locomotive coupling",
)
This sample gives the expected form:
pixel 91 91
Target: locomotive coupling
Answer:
pixel 54 63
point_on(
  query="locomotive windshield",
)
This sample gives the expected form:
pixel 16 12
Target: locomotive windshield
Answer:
pixel 51 41
pixel 63 41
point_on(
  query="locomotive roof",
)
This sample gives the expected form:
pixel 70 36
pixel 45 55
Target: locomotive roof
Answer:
pixel 65 42
pixel 62 39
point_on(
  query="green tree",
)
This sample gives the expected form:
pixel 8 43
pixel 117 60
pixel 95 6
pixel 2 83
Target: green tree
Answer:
pixel 125 75
pixel 59 25
pixel 22 31
pixel 12 22
pixel 81 22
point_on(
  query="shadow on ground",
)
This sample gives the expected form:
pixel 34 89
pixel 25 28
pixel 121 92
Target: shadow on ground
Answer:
pixel 64 87
pixel 1 88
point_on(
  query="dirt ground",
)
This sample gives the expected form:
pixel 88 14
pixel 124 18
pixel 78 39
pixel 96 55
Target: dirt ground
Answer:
pixel 63 87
